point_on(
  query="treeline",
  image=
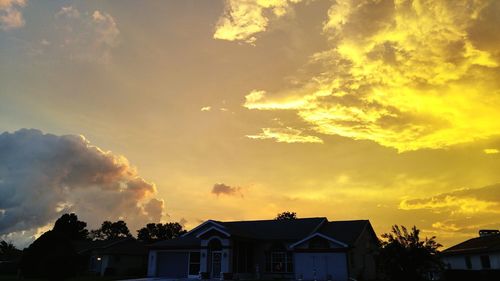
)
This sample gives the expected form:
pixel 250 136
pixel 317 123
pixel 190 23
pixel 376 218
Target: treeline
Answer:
pixel 74 229
pixel 54 254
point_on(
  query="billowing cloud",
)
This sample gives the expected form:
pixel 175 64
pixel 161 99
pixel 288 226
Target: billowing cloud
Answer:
pixel 10 14
pixel 288 135
pixel 243 19
pixel 43 176
pixel 491 151
pixel 405 74
pixel 87 36
pixel 464 201
pixel 220 188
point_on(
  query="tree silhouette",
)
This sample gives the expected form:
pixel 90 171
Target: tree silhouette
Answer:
pixel 403 256
pixel 71 227
pixel 8 251
pixel 51 257
pixel 111 230
pixel 286 216
pixel 154 232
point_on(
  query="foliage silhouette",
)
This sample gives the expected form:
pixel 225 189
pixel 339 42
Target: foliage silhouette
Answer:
pixel 155 232
pixel 403 256
pixel 51 257
pixel 111 230
pixel 286 216
pixel 69 226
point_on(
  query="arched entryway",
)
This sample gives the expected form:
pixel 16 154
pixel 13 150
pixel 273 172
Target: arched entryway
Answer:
pixel 215 257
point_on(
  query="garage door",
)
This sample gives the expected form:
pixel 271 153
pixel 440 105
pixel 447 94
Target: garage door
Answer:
pixel 320 266
pixel 172 264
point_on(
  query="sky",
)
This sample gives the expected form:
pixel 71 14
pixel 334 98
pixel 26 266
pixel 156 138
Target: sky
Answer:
pixel 191 110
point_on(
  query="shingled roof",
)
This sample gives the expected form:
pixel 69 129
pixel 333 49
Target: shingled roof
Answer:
pixel 284 230
pixel 489 243
pixel 345 231
pixel 290 230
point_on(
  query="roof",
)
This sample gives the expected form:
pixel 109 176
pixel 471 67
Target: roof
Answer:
pixel 183 242
pixel 346 232
pixel 490 243
pixel 122 246
pixel 290 230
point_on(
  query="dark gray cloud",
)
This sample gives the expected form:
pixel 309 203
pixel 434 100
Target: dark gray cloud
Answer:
pixel 43 176
pixel 220 188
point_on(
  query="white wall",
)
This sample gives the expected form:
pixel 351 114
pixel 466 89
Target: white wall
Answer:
pixel 458 261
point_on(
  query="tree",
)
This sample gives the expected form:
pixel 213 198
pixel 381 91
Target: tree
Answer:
pixel 403 256
pixel 8 251
pixel 286 216
pixel 51 257
pixel 111 230
pixel 154 232
pixel 71 227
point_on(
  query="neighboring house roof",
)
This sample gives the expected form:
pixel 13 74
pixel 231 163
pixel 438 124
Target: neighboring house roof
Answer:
pixel 345 232
pixel 490 243
pixel 122 246
pixel 185 242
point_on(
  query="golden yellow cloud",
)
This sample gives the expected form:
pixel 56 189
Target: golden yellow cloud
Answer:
pixel 405 74
pixel 288 135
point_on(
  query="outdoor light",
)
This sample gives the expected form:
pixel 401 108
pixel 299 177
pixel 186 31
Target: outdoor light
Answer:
pixel 98 258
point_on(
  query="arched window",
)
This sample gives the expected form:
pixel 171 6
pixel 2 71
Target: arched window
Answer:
pixel 215 245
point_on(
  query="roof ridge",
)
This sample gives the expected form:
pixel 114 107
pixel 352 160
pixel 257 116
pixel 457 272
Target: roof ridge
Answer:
pixel 297 219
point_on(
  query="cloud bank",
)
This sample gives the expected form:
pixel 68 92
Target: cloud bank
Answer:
pixel 10 14
pixel 406 74
pixel 43 176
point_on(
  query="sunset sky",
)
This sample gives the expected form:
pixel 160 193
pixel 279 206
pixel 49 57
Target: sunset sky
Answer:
pixel 188 110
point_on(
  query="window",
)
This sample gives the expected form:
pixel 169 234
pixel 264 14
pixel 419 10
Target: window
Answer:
pixel 194 263
pixel 468 263
pixel 279 262
pixel 485 262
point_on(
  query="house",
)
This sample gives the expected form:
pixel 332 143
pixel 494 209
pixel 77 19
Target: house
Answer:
pixel 477 258
pixel 302 249
pixel 121 257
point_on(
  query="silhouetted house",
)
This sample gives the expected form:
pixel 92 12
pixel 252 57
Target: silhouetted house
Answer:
pixel 303 249
pixel 475 259
pixel 121 257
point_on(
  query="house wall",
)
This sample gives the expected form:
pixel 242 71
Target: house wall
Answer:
pixel 361 257
pixel 458 261
pixel 123 265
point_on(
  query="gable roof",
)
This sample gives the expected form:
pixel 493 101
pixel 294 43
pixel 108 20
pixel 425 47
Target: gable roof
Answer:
pixel 347 232
pixel 490 243
pixel 122 246
pixel 290 230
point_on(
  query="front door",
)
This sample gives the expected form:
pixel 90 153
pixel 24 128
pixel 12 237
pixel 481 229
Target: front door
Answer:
pixel 216 264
